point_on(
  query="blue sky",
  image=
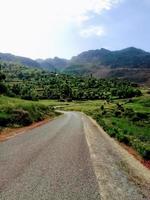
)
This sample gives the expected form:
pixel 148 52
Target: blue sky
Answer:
pixel 64 28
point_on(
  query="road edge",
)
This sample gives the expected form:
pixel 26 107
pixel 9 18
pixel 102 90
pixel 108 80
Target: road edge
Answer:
pixel 19 131
pixel 139 174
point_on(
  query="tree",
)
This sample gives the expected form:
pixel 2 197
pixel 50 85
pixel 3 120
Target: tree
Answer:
pixel 3 88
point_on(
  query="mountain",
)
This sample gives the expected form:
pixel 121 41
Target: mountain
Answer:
pixel 93 59
pixel 18 59
pixel 130 63
pixel 129 57
pixel 55 64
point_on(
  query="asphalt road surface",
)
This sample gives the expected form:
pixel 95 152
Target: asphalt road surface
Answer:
pixel 49 162
pixel 55 162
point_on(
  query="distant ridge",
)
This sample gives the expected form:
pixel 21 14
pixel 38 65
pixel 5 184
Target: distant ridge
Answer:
pixel 129 57
pixel 7 57
pixel 58 64
pixel 129 63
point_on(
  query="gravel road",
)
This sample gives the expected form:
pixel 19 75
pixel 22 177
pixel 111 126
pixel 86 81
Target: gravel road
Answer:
pixel 69 158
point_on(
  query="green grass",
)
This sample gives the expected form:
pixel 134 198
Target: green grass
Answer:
pixel 131 127
pixel 140 104
pixel 17 112
pixel 52 103
pixel 128 129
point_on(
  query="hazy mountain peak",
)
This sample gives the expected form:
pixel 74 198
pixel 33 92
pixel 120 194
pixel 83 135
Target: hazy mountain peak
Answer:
pixel 130 63
pixel 104 50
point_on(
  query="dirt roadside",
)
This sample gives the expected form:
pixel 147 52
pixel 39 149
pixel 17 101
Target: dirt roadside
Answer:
pixel 119 174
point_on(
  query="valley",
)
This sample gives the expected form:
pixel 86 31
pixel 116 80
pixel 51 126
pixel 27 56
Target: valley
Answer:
pixel 130 64
pixel 55 108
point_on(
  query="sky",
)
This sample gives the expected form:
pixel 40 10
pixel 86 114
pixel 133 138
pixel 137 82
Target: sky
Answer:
pixel 65 28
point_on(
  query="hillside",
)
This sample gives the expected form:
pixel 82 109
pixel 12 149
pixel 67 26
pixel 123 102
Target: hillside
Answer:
pixel 55 64
pixel 31 84
pixel 129 57
pixel 130 63
pixel 19 60
pixel 118 102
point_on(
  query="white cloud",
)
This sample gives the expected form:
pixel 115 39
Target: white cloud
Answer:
pixel 53 10
pixel 34 27
pixel 92 31
pixel 78 10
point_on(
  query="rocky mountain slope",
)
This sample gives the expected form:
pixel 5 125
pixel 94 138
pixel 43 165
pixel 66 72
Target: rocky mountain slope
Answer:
pixel 130 63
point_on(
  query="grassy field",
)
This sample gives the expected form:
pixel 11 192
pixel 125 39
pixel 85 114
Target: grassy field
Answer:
pixel 17 112
pixel 127 120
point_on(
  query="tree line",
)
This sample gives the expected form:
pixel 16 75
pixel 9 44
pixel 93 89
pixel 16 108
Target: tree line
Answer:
pixel 33 84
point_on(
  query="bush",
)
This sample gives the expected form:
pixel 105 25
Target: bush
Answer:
pixel 126 139
pixel 104 112
pixel 129 100
pixel 112 131
pixel 3 88
pixel 120 137
pixel 129 112
pixel 142 116
pixel 21 117
pixel 24 114
pixel 102 107
pixel 120 107
pixel 4 119
pixel 146 153
pixel 114 123
pixel 142 148
pixel 117 113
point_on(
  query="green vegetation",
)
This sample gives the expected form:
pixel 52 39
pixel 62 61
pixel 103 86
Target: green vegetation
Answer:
pixel 126 120
pixel 117 105
pixel 130 63
pixel 36 84
pixel 16 112
pixel 126 58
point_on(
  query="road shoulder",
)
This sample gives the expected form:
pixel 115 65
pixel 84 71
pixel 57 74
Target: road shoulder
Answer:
pixel 9 133
pixel 119 174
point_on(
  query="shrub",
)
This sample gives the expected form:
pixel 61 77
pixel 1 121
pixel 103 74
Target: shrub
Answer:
pixel 113 123
pixel 141 147
pixel 104 112
pixel 102 107
pixel 129 100
pixel 112 131
pixel 125 131
pixel 120 136
pixel 142 116
pixel 4 119
pixel 129 112
pixel 3 88
pixel 120 107
pixel 126 139
pixel 146 153
pixel 24 114
pixel 139 116
pixel 21 117
pixel 117 113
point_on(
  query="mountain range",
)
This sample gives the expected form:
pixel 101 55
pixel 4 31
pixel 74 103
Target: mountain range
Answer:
pixel 130 63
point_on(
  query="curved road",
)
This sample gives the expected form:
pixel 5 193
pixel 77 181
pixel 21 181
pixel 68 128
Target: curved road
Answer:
pixel 57 161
